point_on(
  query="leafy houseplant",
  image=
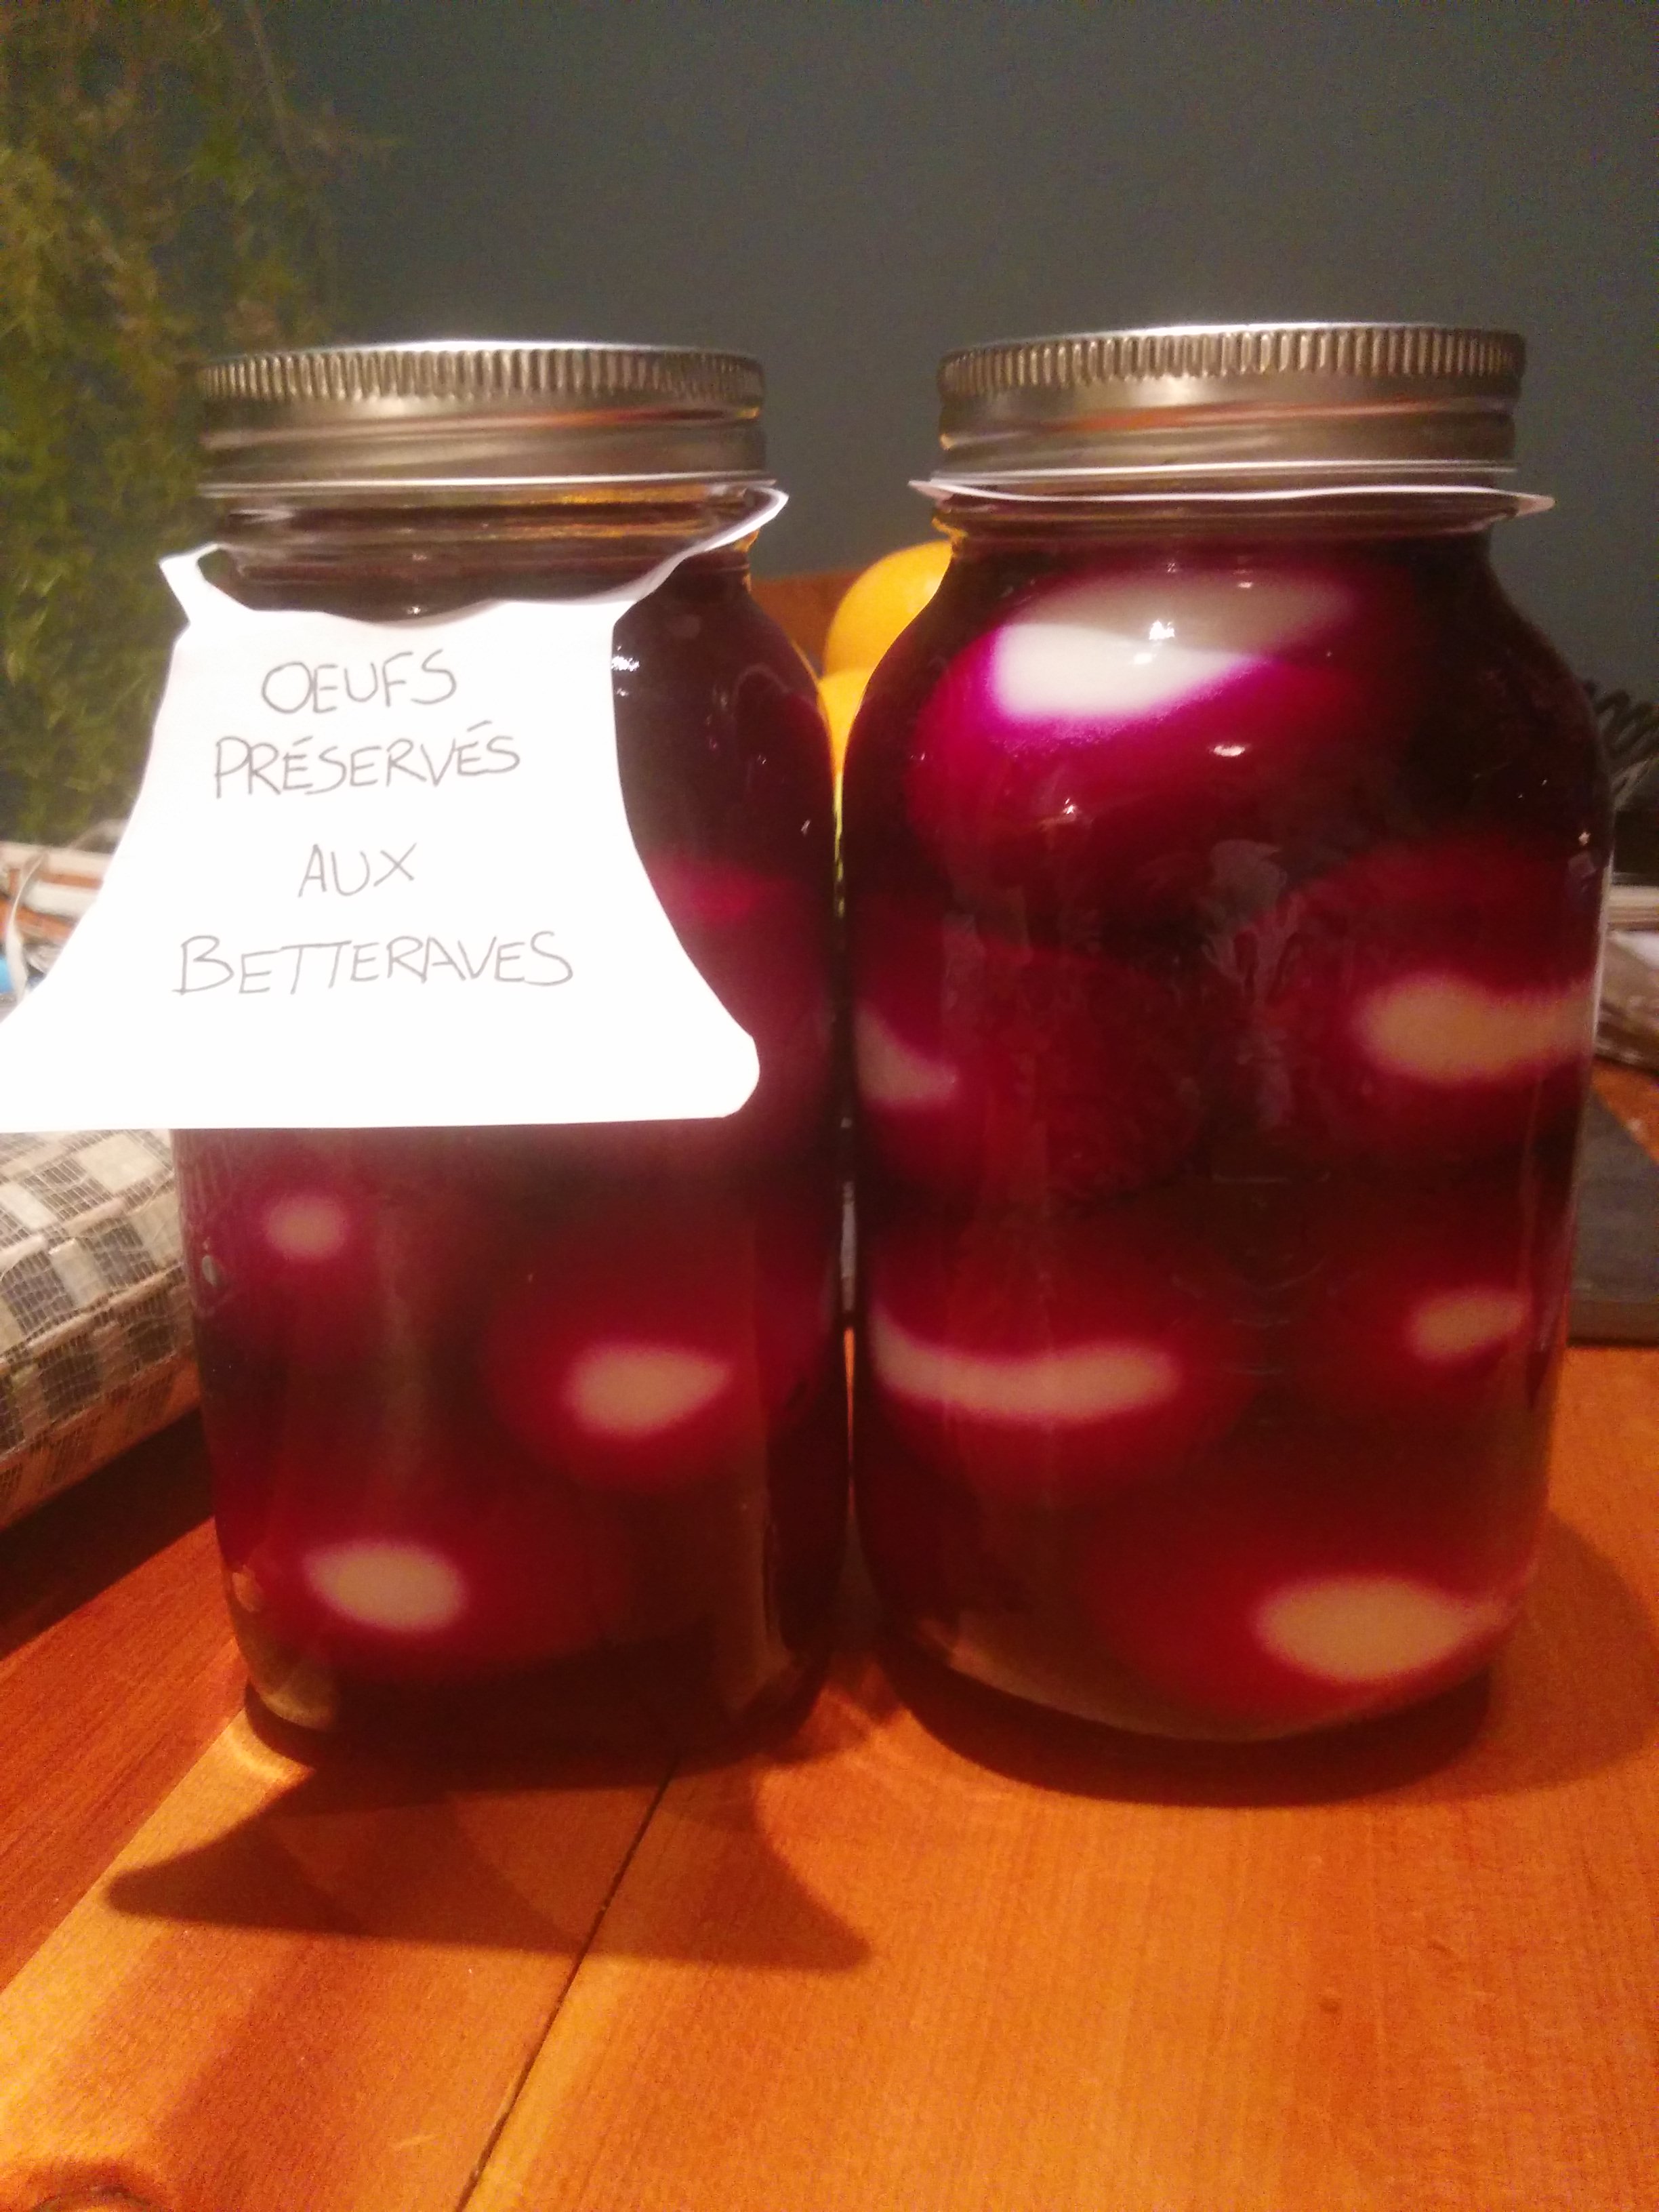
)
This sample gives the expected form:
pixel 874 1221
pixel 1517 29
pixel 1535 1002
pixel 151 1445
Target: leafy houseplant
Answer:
pixel 159 203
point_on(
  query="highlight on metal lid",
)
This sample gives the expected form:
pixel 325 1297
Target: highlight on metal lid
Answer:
pixel 477 418
pixel 1418 400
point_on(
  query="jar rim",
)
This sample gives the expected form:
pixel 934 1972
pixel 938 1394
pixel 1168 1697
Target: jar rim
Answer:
pixel 1202 402
pixel 1382 509
pixel 483 420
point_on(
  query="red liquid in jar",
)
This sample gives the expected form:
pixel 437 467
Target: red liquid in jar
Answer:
pixel 1222 920
pixel 537 1430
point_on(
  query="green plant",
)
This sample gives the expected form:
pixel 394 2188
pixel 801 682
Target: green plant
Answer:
pixel 159 202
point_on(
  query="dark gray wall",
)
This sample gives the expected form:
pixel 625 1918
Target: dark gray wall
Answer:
pixel 847 187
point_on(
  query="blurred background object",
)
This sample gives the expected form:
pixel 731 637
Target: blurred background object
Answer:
pixel 877 604
pixel 883 600
pixel 161 200
pixel 44 892
pixel 1628 1028
pixel 1630 731
pixel 95 1322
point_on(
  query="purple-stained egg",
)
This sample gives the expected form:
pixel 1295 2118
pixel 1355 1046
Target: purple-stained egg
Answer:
pixel 1441 1302
pixel 1313 1576
pixel 647 1340
pixel 309 1249
pixel 1051 1359
pixel 762 943
pixel 1094 747
pixel 988 1068
pixel 1429 1001
pixel 441 1556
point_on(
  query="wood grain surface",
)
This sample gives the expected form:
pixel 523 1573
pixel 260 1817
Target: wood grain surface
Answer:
pixel 943 1954
pixel 931 1950
pixel 298 1990
pixel 237 1984
pixel 117 1670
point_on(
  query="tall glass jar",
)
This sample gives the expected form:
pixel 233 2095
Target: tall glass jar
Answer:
pixel 1224 861
pixel 541 1431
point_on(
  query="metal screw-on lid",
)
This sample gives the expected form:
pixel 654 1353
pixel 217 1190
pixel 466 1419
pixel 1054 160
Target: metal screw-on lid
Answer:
pixel 465 419
pixel 1415 400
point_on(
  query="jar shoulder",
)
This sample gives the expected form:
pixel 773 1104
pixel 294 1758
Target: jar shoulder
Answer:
pixel 1109 730
pixel 721 743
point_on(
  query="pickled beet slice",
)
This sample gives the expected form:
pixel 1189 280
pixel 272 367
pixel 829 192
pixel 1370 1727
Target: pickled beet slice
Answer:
pixel 323 1252
pixel 631 1352
pixel 1314 1574
pixel 1051 1359
pixel 1434 1304
pixel 991 1069
pixel 1428 1001
pixel 431 1559
pixel 1099 744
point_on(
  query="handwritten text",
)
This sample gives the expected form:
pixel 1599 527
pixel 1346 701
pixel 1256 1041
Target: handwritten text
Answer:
pixel 333 964
pixel 323 871
pixel 294 686
pixel 245 766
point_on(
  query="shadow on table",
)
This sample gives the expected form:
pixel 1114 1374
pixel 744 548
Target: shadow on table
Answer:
pixel 68 1550
pixel 525 1854
pixel 517 1854
pixel 1577 1690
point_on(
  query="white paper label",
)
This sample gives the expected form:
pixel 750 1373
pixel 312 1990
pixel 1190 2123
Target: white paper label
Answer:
pixel 378 874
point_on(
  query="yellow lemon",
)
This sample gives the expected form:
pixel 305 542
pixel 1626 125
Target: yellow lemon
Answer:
pixel 840 694
pixel 885 599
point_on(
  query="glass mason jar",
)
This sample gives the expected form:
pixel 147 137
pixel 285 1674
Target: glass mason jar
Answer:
pixel 1224 861
pixel 541 1431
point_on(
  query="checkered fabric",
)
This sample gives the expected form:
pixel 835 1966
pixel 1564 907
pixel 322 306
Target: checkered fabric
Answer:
pixel 95 1322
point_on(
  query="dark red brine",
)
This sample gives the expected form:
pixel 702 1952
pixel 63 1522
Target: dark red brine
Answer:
pixel 1223 878
pixel 540 1433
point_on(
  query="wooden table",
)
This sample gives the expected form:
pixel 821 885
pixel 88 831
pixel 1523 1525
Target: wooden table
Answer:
pixel 921 1954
